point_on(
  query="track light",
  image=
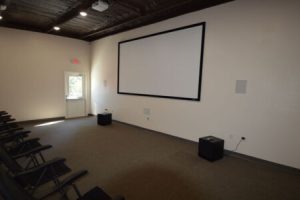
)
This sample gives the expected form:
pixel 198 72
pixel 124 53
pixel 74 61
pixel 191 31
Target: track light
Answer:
pixel 83 14
pixel 56 28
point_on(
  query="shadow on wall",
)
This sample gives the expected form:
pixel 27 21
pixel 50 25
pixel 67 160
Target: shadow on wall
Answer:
pixel 152 182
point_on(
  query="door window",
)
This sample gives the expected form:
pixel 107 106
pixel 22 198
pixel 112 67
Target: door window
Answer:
pixel 75 87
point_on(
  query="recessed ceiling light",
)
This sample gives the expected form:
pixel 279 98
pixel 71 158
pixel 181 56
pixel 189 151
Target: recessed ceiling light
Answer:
pixel 1 17
pixel 56 28
pixel 83 14
pixel 3 7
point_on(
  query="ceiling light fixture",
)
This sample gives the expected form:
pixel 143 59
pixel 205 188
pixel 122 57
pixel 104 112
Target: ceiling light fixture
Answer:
pixel 56 28
pixel 83 14
pixel 3 7
pixel 100 5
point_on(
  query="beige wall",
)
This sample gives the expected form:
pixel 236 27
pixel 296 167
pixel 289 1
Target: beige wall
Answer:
pixel 32 72
pixel 254 40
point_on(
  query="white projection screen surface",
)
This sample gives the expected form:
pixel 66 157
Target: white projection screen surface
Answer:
pixel 166 64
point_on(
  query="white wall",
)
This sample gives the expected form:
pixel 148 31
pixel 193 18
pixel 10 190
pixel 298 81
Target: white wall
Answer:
pixel 254 40
pixel 32 72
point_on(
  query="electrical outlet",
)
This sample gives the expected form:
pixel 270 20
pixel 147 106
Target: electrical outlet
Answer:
pixel 108 110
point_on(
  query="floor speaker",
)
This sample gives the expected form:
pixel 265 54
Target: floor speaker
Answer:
pixel 104 119
pixel 211 148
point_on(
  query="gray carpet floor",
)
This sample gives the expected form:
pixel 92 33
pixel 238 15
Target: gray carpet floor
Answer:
pixel 146 165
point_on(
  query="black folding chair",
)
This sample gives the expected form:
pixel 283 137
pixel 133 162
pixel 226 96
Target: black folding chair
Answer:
pixel 14 142
pixel 7 126
pixel 2 112
pixel 32 157
pixel 10 130
pixel 15 148
pixel 11 190
pixel 97 194
pixel 6 118
pixel 32 177
pixel 17 136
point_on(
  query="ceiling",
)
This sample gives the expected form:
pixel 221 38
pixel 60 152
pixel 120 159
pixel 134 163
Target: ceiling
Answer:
pixel 122 15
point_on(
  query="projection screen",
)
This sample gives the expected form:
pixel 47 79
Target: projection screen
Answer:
pixel 166 64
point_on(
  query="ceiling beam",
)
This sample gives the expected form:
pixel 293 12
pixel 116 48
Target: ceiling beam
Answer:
pixel 71 13
pixel 134 8
pixel 116 26
pixel 167 12
pixel 4 2
pixel 20 26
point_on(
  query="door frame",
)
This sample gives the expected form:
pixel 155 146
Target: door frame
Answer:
pixel 84 87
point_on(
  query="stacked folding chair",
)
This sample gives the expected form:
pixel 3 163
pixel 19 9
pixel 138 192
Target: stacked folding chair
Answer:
pixel 19 181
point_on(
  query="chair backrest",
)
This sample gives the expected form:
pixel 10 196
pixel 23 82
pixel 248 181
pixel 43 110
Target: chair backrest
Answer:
pixel 9 162
pixel 9 188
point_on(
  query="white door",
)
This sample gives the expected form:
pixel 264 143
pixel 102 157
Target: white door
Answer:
pixel 75 94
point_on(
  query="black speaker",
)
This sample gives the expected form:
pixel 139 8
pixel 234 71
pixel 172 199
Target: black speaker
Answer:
pixel 211 148
pixel 104 119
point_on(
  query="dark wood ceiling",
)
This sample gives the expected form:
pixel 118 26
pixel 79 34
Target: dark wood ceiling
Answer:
pixel 122 15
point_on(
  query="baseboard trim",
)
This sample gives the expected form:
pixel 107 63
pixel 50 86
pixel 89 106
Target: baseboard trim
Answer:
pixel 41 120
pixel 262 161
pixel 157 132
pixel 285 168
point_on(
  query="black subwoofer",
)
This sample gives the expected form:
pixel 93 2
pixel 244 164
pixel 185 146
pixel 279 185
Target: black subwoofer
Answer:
pixel 211 148
pixel 104 119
